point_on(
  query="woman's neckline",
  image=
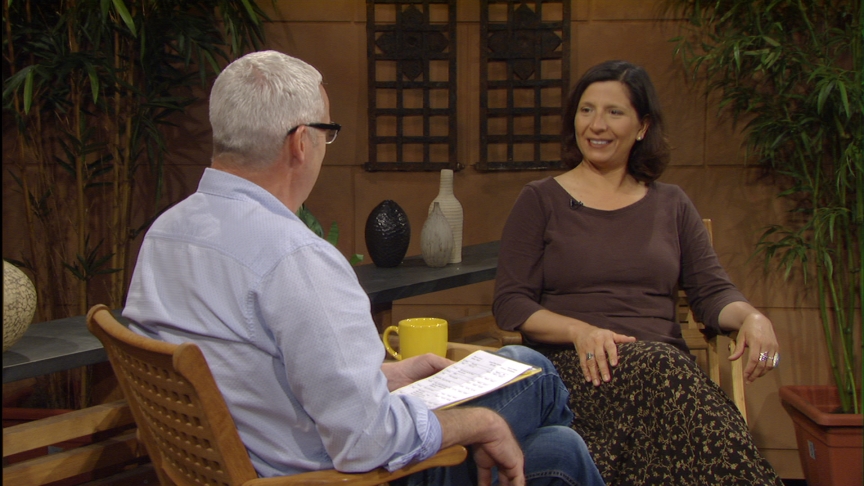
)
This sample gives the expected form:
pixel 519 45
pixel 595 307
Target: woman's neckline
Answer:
pixel 649 188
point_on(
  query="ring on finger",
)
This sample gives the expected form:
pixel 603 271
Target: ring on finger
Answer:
pixel 589 356
pixel 763 356
pixel 775 360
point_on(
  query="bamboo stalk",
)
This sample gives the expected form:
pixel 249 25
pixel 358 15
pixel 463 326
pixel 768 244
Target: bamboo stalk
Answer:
pixel 117 227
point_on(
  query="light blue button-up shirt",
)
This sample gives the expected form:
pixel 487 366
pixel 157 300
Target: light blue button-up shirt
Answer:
pixel 285 327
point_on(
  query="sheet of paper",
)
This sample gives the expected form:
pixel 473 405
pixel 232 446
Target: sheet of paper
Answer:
pixel 475 375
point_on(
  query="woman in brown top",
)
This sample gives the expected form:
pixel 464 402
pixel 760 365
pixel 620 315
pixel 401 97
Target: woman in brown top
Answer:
pixel 589 269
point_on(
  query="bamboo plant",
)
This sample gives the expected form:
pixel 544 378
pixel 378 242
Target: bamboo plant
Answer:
pixel 793 71
pixel 89 88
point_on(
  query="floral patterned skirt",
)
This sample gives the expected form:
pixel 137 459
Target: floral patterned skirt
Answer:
pixel 661 421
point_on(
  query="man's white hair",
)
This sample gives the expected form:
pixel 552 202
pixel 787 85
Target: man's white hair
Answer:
pixel 257 99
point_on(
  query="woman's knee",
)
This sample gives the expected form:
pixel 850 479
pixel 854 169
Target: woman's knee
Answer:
pixel 652 354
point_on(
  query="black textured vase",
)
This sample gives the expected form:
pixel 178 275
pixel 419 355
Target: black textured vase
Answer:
pixel 387 234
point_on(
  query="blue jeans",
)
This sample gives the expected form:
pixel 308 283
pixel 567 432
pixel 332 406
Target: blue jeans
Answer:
pixel 536 409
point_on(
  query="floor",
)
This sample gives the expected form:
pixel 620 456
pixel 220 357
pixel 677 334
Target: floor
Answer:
pixel 144 476
pixel 141 476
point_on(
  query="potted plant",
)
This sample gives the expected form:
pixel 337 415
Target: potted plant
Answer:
pixel 332 235
pixel 89 89
pixel 793 71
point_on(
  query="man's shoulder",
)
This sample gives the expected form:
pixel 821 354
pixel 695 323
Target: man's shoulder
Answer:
pixel 243 229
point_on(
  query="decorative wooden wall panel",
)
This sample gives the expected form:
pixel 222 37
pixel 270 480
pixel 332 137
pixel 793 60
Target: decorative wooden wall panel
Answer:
pixel 411 47
pixel 524 78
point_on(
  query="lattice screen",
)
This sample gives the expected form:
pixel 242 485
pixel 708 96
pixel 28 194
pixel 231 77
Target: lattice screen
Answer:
pixel 411 47
pixel 524 78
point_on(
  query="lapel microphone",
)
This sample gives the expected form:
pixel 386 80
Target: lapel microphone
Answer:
pixel 574 204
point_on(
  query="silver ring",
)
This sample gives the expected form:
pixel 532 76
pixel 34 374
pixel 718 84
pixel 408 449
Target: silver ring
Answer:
pixel 589 356
pixel 763 356
pixel 775 361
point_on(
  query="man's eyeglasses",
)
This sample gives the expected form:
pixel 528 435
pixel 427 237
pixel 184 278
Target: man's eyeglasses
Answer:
pixel 330 130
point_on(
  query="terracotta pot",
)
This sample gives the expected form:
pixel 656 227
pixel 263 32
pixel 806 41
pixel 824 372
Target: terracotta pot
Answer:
pixel 829 444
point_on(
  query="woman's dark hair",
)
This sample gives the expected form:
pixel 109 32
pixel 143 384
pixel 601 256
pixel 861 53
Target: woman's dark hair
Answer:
pixel 649 157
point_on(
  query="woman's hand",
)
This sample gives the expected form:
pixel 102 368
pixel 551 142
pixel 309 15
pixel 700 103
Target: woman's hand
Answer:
pixel 600 345
pixel 756 332
pixel 598 351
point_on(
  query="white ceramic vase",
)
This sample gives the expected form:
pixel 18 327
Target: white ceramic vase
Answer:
pixel 19 304
pixel 452 209
pixel 436 239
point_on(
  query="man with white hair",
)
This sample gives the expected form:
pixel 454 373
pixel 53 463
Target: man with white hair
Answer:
pixel 287 329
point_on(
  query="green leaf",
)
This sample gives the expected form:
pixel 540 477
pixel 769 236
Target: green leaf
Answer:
pixel 94 82
pixel 771 41
pixel 844 96
pixel 251 12
pixel 212 61
pixel 823 95
pixel 333 234
pixel 121 9
pixel 310 220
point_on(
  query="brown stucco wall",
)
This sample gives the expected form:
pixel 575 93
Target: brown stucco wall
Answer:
pixel 707 163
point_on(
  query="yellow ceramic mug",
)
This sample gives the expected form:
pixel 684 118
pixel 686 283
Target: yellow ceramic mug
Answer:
pixel 418 336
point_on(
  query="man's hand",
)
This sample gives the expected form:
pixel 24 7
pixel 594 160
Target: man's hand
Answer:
pixel 405 372
pixel 493 443
pixel 505 454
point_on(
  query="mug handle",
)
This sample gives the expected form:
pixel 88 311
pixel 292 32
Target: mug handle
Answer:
pixel 386 338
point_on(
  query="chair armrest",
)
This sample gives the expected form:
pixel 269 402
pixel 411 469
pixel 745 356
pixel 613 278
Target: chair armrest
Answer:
pixel 457 351
pixel 737 372
pixel 450 456
pixel 506 338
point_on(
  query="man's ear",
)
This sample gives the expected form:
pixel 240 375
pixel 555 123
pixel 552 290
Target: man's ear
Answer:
pixel 297 145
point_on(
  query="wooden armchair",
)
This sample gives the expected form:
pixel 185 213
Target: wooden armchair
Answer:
pixel 483 330
pixel 185 424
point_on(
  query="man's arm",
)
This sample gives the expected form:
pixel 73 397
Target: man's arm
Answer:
pixel 493 441
pixel 494 444
pixel 332 355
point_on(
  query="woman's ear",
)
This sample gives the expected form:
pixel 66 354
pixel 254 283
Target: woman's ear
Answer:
pixel 646 122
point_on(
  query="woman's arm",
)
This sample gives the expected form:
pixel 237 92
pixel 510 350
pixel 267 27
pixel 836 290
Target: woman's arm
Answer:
pixel 519 279
pixel 716 301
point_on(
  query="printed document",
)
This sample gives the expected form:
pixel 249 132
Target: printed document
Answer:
pixel 477 374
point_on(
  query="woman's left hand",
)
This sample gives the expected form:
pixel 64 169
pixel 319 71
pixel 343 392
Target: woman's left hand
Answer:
pixel 757 333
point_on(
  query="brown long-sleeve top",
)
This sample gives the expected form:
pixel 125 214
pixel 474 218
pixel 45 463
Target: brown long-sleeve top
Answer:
pixel 618 270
